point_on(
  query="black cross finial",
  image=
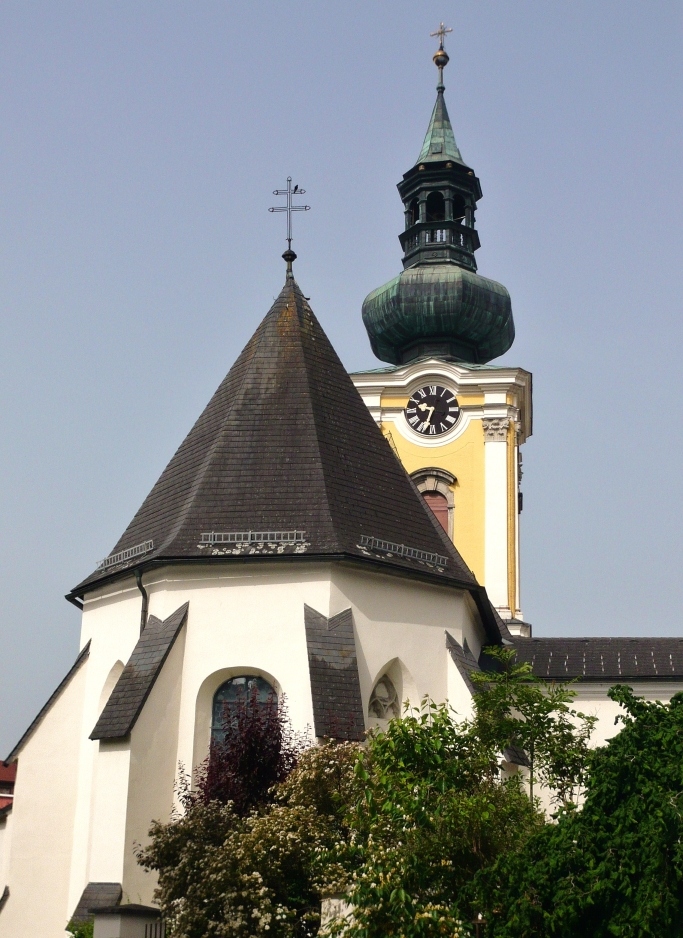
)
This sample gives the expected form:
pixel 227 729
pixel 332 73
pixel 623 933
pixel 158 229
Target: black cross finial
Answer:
pixel 441 33
pixel 289 254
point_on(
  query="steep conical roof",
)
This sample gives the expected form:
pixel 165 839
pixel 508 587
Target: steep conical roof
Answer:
pixel 439 143
pixel 286 444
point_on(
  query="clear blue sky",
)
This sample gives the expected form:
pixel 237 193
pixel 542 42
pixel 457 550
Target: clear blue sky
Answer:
pixel 140 143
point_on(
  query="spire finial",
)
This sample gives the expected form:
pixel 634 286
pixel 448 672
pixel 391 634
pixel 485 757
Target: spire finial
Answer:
pixel 289 256
pixel 440 57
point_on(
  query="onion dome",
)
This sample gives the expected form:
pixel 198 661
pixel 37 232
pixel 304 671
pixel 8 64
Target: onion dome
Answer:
pixel 439 306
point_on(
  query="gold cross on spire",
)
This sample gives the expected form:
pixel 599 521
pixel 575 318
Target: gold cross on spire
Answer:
pixel 441 33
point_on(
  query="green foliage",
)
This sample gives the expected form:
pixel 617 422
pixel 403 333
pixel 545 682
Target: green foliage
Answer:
pixel 432 810
pixel 401 826
pixel 80 929
pixel 615 866
pixel 514 707
pixel 222 874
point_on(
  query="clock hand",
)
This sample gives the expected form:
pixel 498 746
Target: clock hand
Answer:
pixel 431 410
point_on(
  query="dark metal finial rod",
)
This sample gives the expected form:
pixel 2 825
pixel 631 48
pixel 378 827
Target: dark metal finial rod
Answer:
pixel 441 56
pixel 289 255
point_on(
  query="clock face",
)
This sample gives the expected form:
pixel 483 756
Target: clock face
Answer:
pixel 432 410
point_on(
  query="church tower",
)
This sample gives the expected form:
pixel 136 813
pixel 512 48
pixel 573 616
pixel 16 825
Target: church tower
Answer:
pixel 455 421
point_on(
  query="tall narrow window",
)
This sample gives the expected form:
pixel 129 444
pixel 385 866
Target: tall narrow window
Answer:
pixel 439 505
pixel 235 693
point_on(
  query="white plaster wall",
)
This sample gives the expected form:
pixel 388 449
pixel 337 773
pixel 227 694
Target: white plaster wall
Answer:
pixel 42 821
pixel 153 748
pixel 5 847
pixel 111 622
pixel 459 696
pixel 591 699
pixel 398 618
pixel 110 808
pixel 247 619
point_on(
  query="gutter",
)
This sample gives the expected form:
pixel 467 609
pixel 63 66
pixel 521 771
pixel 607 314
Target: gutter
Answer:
pixel 145 601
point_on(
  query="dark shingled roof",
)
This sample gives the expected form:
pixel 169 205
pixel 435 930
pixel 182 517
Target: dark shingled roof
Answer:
pixel 137 678
pixel 464 661
pixel 335 684
pixel 603 659
pixel 97 897
pixel 287 444
pixel 82 656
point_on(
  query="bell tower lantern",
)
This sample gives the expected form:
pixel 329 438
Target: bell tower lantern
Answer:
pixel 439 194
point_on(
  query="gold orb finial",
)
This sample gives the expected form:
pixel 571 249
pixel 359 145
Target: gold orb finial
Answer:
pixel 440 57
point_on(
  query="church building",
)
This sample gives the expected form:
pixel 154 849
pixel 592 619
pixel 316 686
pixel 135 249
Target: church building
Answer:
pixel 356 551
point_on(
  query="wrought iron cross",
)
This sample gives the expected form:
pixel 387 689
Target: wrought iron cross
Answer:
pixel 289 208
pixel 441 33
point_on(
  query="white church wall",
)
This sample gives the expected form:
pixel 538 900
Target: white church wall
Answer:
pixel 242 620
pixel 110 803
pixel 153 751
pixel 111 622
pixel 5 847
pixel 591 699
pixel 459 694
pixel 395 617
pixel 42 821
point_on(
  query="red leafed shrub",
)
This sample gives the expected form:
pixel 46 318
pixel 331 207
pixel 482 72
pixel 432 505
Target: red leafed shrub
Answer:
pixel 258 750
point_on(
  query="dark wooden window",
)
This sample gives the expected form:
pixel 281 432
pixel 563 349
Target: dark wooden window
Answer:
pixel 437 502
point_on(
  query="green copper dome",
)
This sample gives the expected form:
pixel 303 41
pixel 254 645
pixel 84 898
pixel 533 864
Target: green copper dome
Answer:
pixel 441 310
pixel 439 306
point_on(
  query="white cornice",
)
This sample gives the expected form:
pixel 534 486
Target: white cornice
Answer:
pixel 493 383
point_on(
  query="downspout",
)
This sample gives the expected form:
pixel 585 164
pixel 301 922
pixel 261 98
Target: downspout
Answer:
pixel 145 601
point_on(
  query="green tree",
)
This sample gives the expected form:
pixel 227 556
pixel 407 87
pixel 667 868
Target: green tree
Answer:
pixel 515 708
pixel 432 810
pixel 401 825
pixel 614 866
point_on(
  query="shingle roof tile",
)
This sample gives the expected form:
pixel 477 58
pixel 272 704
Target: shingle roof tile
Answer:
pixel 603 659
pixel 335 684
pixel 137 678
pixel 287 444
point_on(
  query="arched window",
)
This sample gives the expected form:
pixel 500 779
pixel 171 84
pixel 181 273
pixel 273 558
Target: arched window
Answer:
pixel 384 702
pixel 439 505
pixel 459 210
pixel 436 487
pixel 239 692
pixel 436 207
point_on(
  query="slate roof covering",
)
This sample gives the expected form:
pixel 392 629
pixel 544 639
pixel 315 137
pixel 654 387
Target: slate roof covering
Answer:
pixel 439 142
pixel 464 661
pixel 82 656
pixel 97 897
pixel 287 444
pixel 335 684
pixel 137 678
pixel 603 659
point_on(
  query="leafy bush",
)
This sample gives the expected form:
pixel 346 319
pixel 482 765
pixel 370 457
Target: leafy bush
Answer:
pixel 614 867
pixel 257 750
pixel 80 929
pixel 226 874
